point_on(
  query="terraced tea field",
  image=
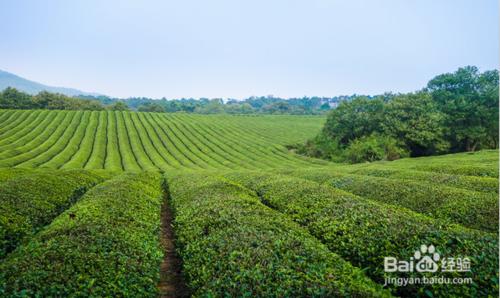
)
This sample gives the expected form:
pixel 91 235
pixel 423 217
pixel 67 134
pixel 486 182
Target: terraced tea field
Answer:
pixel 128 204
pixel 131 141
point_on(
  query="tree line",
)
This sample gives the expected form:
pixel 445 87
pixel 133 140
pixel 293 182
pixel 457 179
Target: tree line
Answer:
pixel 11 98
pixel 455 112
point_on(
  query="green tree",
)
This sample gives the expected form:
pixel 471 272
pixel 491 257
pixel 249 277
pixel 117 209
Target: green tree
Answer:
pixel 153 107
pixel 353 119
pixel 11 98
pixel 374 147
pixel 415 120
pixel 214 106
pixel 119 106
pixel 470 101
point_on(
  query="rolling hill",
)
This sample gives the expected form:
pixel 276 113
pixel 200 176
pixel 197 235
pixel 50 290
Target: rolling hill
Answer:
pixel 8 79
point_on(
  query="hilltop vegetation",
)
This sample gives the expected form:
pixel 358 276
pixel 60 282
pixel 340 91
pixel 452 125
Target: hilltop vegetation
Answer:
pixel 298 231
pixel 132 141
pixel 87 197
pixel 456 112
pixel 11 98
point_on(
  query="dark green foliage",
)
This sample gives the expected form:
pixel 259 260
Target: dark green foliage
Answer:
pixel 482 184
pixel 320 147
pixel 233 246
pixel 10 98
pixel 151 107
pixel 31 200
pixel 456 112
pixel 119 106
pixel 374 147
pixel 415 120
pixel 13 173
pixel 106 245
pixel 364 232
pixel 471 209
pixel 351 120
pixel 470 101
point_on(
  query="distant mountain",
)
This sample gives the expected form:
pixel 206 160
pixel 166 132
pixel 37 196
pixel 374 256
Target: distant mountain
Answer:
pixel 8 79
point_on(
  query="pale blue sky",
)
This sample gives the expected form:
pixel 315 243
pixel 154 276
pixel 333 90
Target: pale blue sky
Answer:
pixel 231 48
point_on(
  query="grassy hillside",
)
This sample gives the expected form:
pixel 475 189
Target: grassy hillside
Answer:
pixel 148 141
pixel 143 204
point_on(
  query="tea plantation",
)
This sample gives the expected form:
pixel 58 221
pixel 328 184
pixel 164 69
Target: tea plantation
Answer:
pixel 129 204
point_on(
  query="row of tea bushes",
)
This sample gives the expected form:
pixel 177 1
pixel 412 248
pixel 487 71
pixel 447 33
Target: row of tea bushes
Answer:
pixel 364 232
pixel 234 246
pixel 106 245
pixel 471 209
pixel 474 183
pixel 31 199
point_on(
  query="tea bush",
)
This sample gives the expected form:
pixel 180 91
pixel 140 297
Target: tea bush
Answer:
pixel 364 232
pixel 233 246
pixel 471 209
pixel 31 199
pixel 106 245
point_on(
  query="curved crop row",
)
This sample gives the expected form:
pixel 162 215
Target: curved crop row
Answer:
pixel 194 144
pixel 364 232
pixel 239 144
pixel 168 143
pixel 482 184
pixel 109 156
pixel 106 245
pixel 139 141
pixel 57 144
pixel 150 149
pixel 34 133
pixel 5 115
pixel 70 145
pixel 471 209
pixel 32 118
pixel 129 159
pixel 232 245
pixel 83 150
pixel 26 129
pixel 468 170
pixel 249 136
pixel 225 145
pixel 209 146
pixel 33 199
pixel 19 119
pixel 136 143
pixel 40 143
pixel 159 144
pixel 185 148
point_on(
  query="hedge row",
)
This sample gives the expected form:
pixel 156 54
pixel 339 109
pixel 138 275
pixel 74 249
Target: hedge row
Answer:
pixel 468 170
pixel 31 199
pixel 482 184
pixel 472 209
pixel 364 232
pixel 106 245
pixel 12 173
pixel 233 246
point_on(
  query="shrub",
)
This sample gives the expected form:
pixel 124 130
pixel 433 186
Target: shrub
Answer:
pixel 106 245
pixel 31 199
pixel 233 246
pixel 372 148
pixel 364 232
pixel 471 209
pixel 482 184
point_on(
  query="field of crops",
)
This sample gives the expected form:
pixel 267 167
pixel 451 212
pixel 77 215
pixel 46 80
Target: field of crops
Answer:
pixel 133 204
pixel 149 141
